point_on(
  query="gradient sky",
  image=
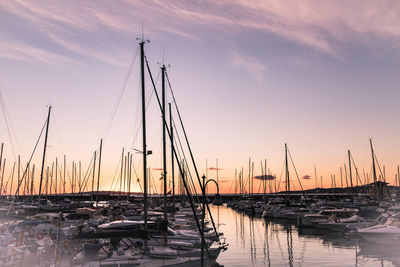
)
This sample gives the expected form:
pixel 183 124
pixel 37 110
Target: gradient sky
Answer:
pixel 249 76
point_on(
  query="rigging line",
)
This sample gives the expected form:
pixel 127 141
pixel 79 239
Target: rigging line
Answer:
pixel 87 175
pixel 297 175
pixel 147 105
pixel 355 166
pixel 30 159
pixel 137 176
pixel 280 177
pixel 115 173
pixel 188 145
pixel 357 175
pixel 5 113
pixel 57 131
pixel 118 101
pixel 154 184
pixel 179 141
pixel 184 157
pixel 8 180
pixel 384 179
pixel 183 129
pixel 379 167
pixel 181 171
pixel 137 117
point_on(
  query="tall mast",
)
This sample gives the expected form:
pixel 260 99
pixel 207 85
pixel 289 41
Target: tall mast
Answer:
pixel 287 170
pixel 27 180
pixel 129 175
pixel 172 154
pixel 73 177
pixel 98 174
pixel 65 167
pixel 94 169
pixel 125 173
pixel 80 178
pixel 32 179
pixel 19 173
pixel 1 165
pixel 12 179
pixel 350 175
pixel 164 124
pixel 265 180
pixel 56 176
pixel 249 177
pixel 398 175
pixel 378 193
pixel 44 153
pixel 120 177
pixel 242 183
pixel 2 177
pixel 316 177
pixel 252 175
pixel 144 149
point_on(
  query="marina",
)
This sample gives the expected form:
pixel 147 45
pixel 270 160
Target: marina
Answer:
pixel 329 234
pixel 199 133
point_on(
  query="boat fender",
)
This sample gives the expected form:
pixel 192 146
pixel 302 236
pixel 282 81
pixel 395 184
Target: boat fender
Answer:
pixel 337 220
pixel 39 236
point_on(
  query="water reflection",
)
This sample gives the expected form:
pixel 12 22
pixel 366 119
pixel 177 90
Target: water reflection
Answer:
pixel 283 244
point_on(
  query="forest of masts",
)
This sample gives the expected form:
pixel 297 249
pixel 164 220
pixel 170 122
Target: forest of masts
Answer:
pixel 63 177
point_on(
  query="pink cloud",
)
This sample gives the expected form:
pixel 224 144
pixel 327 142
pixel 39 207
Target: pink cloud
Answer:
pixel 328 27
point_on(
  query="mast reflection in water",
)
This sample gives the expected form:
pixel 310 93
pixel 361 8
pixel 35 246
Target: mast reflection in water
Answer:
pixel 258 242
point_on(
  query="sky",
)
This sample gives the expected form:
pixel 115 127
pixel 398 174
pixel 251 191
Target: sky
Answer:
pixel 248 76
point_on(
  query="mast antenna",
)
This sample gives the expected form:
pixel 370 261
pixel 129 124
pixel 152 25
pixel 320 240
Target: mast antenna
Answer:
pixel 141 39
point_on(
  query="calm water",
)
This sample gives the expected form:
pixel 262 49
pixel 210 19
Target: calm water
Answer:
pixel 259 242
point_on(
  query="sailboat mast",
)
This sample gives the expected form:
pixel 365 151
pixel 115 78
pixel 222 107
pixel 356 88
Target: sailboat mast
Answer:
pixel 32 179
pixel 172 154
pixel 98 174
pixel 56 176
pixel 249 177
pixel 144 150
pixel 266 181
pixel 374 170
pixel 120 177
pixel 2 176
pixel 65 167
pixel 398 173
pixel 1 165
pixel 316 177
pixel 287 170
pixel 93 174
pixel 164 144
pixel 350 175
pixel 129 175
pixel 44 153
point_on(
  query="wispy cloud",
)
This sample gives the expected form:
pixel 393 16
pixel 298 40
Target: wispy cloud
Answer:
pixel 328 27
pixel 18 51
pixel 250 64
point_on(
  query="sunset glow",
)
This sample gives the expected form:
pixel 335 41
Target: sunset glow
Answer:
pixel 248 77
